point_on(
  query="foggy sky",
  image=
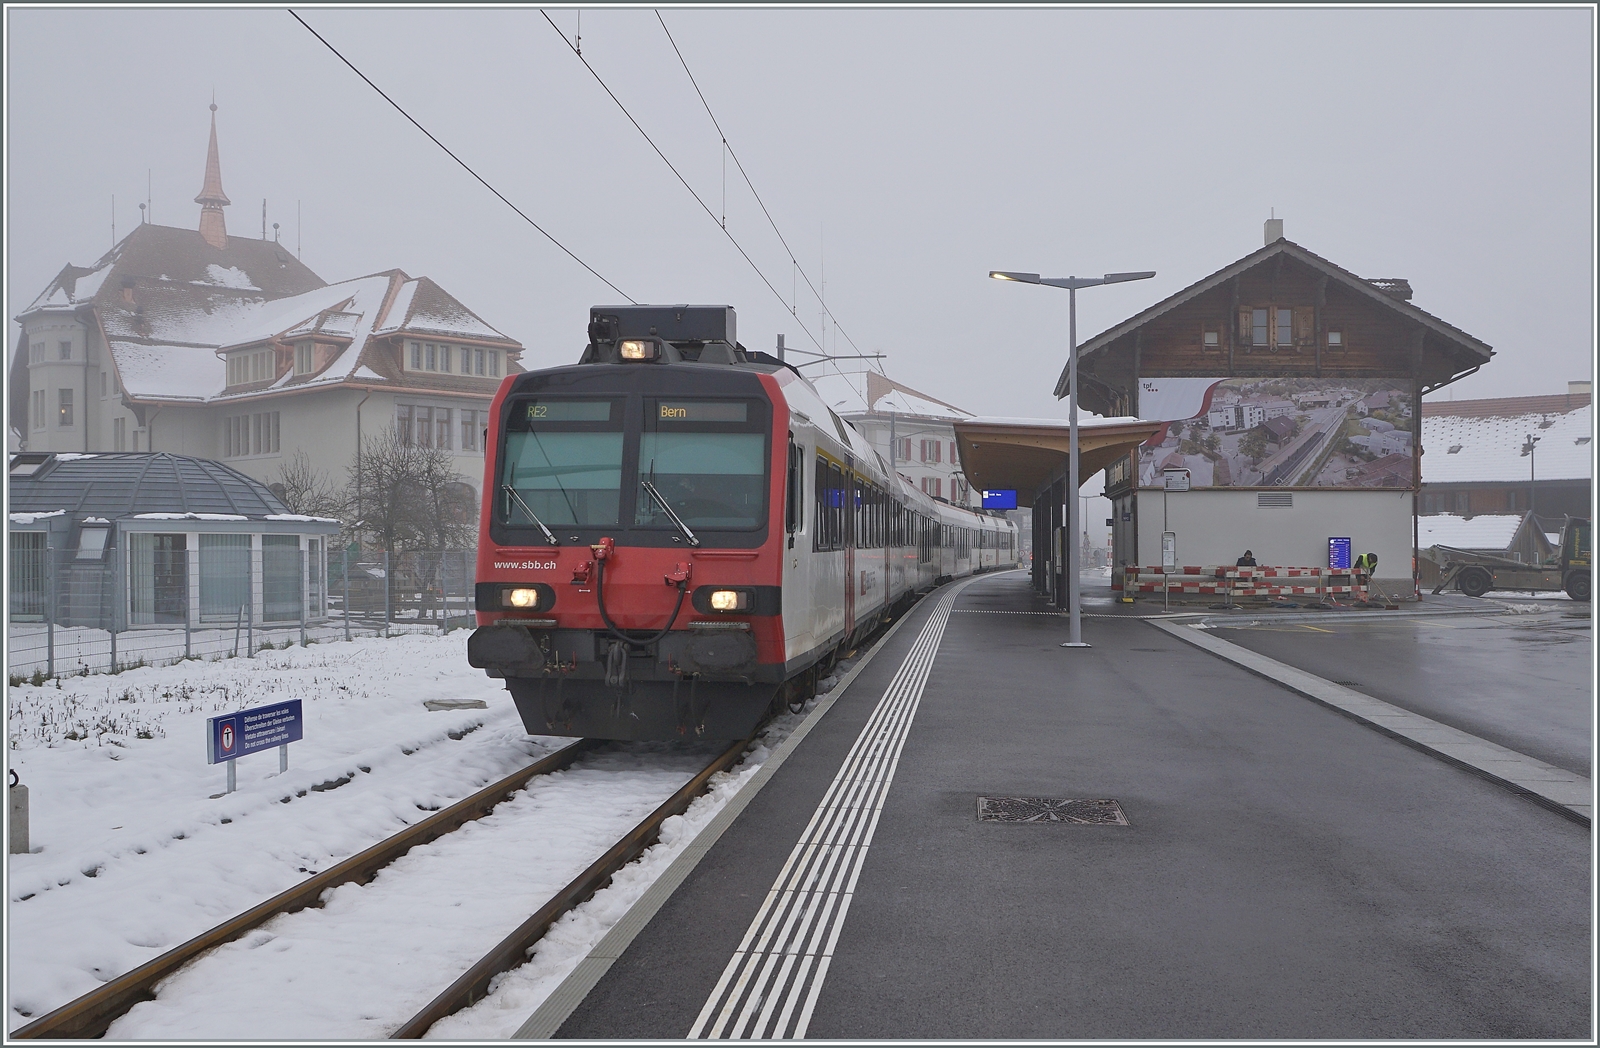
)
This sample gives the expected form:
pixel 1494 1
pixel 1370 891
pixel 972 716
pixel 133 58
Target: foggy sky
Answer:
pixel 906 151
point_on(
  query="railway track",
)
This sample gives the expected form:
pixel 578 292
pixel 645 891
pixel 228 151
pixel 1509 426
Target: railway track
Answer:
pixel 93 1013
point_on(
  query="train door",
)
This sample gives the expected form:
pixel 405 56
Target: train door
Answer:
pixel 852 513
pixel 799 538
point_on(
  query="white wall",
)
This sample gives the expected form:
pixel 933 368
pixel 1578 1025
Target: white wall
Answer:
pixel 1216 526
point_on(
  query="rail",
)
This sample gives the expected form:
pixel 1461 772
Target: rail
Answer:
pixel 91 1014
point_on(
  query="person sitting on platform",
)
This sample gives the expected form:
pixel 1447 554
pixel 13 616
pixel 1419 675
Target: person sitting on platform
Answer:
pixel 1247 561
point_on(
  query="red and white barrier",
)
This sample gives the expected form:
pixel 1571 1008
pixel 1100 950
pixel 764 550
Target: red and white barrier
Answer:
pixel 1232 581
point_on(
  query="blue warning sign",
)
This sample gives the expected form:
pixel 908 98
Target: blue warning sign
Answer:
pixel 240 734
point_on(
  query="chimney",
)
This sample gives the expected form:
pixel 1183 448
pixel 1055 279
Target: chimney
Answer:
pixel 213 229
pixel 1272 230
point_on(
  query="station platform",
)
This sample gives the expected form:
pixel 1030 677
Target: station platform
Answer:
pixel 1283 871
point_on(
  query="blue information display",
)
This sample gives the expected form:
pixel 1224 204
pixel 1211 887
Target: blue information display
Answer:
pixel 1339 553
pixel 1002 499
pixel 251 731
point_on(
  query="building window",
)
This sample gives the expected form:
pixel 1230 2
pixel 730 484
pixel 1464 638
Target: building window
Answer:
pixel 1285 318
pixel 444 358
pixel 933 486
pixel 472 424
pixel 36 353
pixel 303 358
pixel 102 385
pixel 430 356
pixel 1258 327
pixel 441 422
pixel 38 409
pixel 402 424
pixel 477 356
pixel 494 363
pixel 64 408
pixel 255 434
pixel 158 579
pixel 1210 339
pixel 931 450
pixel 255 366
pixel 1336 340
pixel 224 577
pixel 119 434
pixel 66 350
pixel 416 356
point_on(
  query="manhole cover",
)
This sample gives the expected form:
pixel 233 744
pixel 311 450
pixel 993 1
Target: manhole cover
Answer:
pixel 1049 809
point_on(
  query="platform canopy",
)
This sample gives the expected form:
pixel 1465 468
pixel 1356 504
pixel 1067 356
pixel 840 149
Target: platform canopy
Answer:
pixel 1025 453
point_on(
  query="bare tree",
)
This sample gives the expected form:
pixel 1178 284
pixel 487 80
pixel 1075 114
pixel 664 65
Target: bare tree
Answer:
pixel 412 504
pixel 306 490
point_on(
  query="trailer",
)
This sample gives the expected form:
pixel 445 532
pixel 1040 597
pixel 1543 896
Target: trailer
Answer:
pixel 1477 573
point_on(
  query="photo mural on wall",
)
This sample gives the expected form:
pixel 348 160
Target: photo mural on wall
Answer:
pixel 1279 432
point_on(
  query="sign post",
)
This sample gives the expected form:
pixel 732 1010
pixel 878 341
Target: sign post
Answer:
pixel 230 736
pixel 1169 564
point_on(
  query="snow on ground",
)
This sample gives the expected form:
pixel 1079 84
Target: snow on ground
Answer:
pixel 135 850
pixel 133 854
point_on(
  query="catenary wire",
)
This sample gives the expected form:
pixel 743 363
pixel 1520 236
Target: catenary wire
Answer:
pixel 463 163
pixel 673 168
pixel 753 192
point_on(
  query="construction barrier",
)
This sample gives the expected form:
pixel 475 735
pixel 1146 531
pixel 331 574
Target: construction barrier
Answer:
pixel 1230 581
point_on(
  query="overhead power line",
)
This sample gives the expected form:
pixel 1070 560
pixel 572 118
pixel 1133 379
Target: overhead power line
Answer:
pixel 673 168
pixel 753 192
pixel 467 167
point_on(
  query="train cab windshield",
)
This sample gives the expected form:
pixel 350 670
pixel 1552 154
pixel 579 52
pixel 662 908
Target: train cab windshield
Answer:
pixel 707 458
pixel 591 462
pixel 563 463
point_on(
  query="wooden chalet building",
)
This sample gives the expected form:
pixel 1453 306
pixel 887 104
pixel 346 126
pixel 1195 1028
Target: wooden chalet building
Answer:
pixel 1280 334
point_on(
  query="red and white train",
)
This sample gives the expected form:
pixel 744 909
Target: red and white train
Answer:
pixel 678 534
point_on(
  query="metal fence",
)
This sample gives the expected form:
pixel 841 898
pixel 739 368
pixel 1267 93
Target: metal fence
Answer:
pixel 150 606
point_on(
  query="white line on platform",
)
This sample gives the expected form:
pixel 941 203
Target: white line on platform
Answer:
pixel 548 1017
pixel 1551 786
pixel 798 924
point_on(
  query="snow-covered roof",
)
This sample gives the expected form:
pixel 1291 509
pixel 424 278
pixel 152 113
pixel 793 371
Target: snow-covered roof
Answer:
pixel 168 302
pixel 1477 448
pixel 424 307
pixel 1487 531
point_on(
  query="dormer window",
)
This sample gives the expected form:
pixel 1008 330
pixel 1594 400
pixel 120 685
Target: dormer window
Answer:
pixel 253 366
pixel 304 361
pixel 444 358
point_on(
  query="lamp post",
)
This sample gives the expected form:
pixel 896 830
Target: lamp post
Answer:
pixel 1527 449
pixel 1072 284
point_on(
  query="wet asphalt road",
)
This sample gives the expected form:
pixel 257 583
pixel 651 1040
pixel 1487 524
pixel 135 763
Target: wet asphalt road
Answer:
pixel 1520 680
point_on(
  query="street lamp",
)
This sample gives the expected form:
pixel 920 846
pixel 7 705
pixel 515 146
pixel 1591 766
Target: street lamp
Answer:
pixel 1072 284
pixel 1527 449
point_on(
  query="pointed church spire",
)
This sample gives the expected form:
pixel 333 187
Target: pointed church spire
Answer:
pixel 213 227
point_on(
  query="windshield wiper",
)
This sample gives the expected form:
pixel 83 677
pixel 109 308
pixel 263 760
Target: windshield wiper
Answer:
pixel 509 490
pixel 662 501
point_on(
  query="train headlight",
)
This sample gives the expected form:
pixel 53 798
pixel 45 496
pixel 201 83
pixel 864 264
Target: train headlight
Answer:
pixel 525 599
pixel 637 349
pixel 729 600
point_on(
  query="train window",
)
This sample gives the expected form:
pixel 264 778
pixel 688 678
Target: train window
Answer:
pixel 562 462
pixel 830 506
pixel 794 510
pixel 708 459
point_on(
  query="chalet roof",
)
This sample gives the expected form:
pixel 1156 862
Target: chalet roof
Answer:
pixel 122 484
pixel 1474 349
